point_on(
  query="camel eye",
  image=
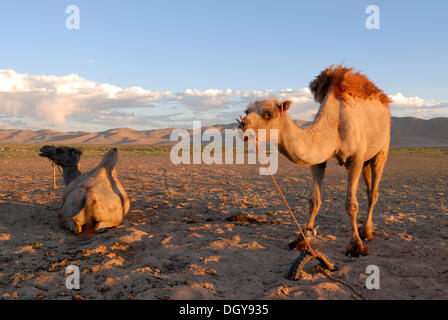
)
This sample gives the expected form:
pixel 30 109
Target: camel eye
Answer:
pixel 268 114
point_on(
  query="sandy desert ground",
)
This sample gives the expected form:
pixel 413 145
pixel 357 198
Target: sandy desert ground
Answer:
pixel 178 241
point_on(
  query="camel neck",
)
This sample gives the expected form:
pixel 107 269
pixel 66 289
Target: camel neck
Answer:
pixel 70 173
pixel 316 143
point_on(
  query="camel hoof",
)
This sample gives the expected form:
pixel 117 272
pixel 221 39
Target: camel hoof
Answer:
pixel 365 234
pixel 300 243
pixel 74 227
pixel 356 248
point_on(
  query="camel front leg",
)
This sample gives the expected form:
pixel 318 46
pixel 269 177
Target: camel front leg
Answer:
pixel 315 201
pixel 75 223
pixel 356 246
pixel 318 172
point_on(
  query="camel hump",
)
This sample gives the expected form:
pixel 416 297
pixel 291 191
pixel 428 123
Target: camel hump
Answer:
pixel 343 81
pixel 110 159
pixel 107 164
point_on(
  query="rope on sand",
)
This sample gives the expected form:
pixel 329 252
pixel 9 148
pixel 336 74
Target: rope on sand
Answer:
pixel 308 245
pixel 331 277
pixel 316 255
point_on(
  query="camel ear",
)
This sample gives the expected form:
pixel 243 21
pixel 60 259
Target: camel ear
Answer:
pixel 284 105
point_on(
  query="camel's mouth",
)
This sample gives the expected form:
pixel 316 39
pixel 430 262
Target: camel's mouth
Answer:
pixel 241 133
pixel 241 122
pixel 44 152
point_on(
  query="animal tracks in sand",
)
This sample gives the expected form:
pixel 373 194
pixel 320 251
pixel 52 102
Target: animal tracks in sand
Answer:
pixel 235 242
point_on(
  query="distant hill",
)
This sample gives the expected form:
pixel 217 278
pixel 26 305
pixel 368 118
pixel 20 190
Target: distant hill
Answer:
pixel 415 132
pixel 406 132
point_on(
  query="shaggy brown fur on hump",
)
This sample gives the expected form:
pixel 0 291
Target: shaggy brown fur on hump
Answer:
pixel 343 81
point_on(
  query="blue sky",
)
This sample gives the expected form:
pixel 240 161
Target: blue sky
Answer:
pixel 237 45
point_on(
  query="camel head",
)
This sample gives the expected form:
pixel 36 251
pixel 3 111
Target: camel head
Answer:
pixel 63 156
pixel 264 114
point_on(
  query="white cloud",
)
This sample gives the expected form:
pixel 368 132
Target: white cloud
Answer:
pixel 55 98
pixel 203 100
pixel 399 100
pixel 402 106
pixel 72 101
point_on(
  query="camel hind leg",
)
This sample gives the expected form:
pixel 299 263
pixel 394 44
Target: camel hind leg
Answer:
pixel 102 215
pixel 376 165
pixel 354 170
pixel 367 175
pixel 103 226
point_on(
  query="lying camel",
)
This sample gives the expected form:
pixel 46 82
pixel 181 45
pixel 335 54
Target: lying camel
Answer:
pixel 93 199
pixel 352 125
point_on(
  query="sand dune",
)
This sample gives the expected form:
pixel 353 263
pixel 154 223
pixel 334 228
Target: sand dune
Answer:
pixel 409 132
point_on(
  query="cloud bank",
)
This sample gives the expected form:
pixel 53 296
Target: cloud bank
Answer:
pixel 73 103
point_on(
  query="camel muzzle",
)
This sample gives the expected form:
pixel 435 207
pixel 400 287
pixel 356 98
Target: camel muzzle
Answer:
pixel 241 122
pixel 45 152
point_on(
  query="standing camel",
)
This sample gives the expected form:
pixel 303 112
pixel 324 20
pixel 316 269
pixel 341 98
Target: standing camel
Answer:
pixel 351 125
